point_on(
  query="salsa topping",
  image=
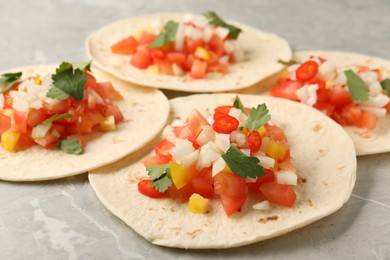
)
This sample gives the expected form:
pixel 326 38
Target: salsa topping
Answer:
pixel 352 96
pixel 55 111
pixel 201 46
pixel 229 154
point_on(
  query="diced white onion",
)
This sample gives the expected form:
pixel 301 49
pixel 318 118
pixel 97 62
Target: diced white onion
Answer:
pixel 206 135
pixel 224 59
pixel 327 71
pixel 168 134
pixel 235 112
pixel 20 101
pixel 240 138
pixel 207 155
pixel 218 166
pixel 379 100
pixel 286 177
pixel 308 94
pixel 207 33
pixel 378 111
pixel 177 70
pixel 242 117
pixel 222 32
pixel 375 88
pixel 222 141
pixel 39 131
pixel 264 205
pixel 229 46
pixel 369 77
pixel 266 162
pixel 177 122
pixel 193 33
pixel 188 18
pixel 340 79
pixel 179 43
pixel 210 119
pixel 99 99
pixel 250 180
pixel 190 158
pixel 247 152
pixel 183 147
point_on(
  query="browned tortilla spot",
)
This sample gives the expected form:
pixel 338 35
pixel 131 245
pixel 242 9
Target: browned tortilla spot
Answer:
pixel 310 202
pixel 265 220
pixel 301 180
pixel 116 140
pixel 316 128
pixel 195 232
pixel 172 209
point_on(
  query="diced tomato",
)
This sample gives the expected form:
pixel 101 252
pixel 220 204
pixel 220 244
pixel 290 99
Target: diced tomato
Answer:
pixel 307 71
pixel 321 84
pixel 225 124
pixel 195 121
pixel 177 58
pixel 191 45
pixel 25 141
pixel 339 97
pixel 188 62
pixel 145 187
pixel 202 187
pixel 125 46
pixel 156 53
pixel 254 141
pixel 325 108
pixel 323 95
pixel 268 177
pixel 183 194
pixel 107 91
pixel 283 195
pixel 216 44
pixel 352 114
pixel 275 133
pixel 56 107
pixel 184 132
pixel 19 122
pixel 218 67
pixel 5 123
pixel 35 117
pixel 230 184
pixel 286 89
pixel 147 38
pixel 163 147
pixel 164 66
pixel 232 204
pixel 223 109
pixel 198 69
pixel 112 110
pixel 94 117
pixel 157 160
pixel 141 58
pixel 368 120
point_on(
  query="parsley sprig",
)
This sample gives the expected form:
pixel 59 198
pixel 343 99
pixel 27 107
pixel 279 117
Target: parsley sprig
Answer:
pixel 287 63
pixel 257 117
pixel 216 20
pixel 160 176
pixel 356 86
pixel 167 35
pixel 67 82
pixel 241 164
pixel 8 80
pixel 238 104
pixel 70 145
pixel 386 85
pixel 56 117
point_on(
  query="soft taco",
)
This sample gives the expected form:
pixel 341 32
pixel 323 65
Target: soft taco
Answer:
pixel 196 47
pixel 49 116
pixel 353 89
pixel 318 174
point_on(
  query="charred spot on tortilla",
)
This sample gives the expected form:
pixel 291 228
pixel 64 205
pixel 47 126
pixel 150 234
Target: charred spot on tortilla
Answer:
pixel 317 127
pixel 267 219
pixel 302 180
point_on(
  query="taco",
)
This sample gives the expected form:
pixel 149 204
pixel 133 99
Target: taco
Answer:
pixel 321 157
pixel 58 122
pixel 198 53
pixel 352 89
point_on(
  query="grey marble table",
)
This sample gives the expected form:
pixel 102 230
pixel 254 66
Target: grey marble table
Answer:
pixel 63 219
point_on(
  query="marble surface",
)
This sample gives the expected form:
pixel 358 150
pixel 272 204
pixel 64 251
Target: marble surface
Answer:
pixel 63 219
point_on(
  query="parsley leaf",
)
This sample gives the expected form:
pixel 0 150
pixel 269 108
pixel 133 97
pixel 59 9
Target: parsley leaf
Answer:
pixel 257 118
pixel 83 66
pixel 70 81
pixel 238 104
pixel 167 35
pixel 70 145
pixel 386 85
pixel 56 93
pixel 8 79
pixel 161 176
pixel 56 117
pixel 241 164
pixel 216 20
pixel 287 63
pixel 356 86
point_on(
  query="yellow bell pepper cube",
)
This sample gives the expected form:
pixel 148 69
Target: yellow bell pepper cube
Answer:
pixel 108 124
pixel 202 53
pixel 198 204
pixel 261 131
pixel 179 174
pixel 152 69
pixel 276 150
pixel 9 140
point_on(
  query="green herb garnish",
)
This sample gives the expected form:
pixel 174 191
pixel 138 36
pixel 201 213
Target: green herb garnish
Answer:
pixel 56 93
pixel 386 85
pixel 56 117
pixel 69 81
pixel 356 86
pixel 167 35
pixel 83 66
pixel 257 117
pixel 288 63
pixel 216 20
pixel 160 176
pixel 9 79
pixel 70 145
pixel 238 104
pixel 241 164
